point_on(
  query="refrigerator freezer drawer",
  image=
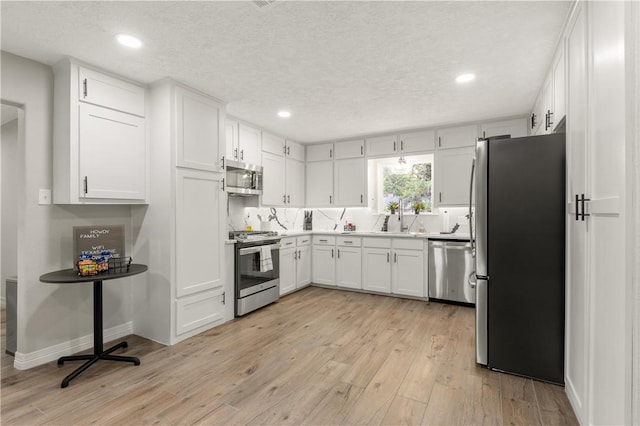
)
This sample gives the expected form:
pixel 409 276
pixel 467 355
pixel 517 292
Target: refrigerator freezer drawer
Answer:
pixel 450 264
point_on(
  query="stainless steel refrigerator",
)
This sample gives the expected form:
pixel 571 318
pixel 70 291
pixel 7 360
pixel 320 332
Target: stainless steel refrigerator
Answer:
pixel 519 252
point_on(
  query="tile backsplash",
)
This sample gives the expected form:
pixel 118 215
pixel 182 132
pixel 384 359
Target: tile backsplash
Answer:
pixel 242 214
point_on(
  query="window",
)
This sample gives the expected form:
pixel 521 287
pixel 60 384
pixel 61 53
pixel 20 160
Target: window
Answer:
pixel 405 181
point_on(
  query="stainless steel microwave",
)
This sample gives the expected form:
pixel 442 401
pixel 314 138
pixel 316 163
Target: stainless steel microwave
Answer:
pixel 243 178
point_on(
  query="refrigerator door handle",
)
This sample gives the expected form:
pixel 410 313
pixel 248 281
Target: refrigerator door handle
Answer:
pixel 473 247
pixel 481 321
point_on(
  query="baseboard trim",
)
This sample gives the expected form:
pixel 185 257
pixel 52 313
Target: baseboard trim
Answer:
pixel 573 400
pixel 25 361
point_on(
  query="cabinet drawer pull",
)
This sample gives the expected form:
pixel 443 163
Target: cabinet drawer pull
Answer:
pixel 401 145
pixel 86 184
pixel 348 242
pixel 295 255
pixel 332 253
pixel 394 146
pixel 299 254
pixel 330 199
pixel 288 150
pixel 361 198
pixel 439 141
pixel 338 253
pixel 242 154
pixel 284 199
pixel 439 197
pixel 84 87
pixel 306 241
pixel 388 255
pixel 395 257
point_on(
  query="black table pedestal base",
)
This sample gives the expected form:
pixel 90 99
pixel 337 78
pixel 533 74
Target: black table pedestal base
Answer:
pixel 92 359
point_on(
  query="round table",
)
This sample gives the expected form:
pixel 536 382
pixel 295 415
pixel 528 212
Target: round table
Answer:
pixel 70 276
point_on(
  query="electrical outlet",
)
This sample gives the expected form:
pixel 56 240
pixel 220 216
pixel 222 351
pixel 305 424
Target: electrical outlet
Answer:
pixel 44 197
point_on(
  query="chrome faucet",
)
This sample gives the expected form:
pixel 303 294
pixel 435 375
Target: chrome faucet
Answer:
pixel 401 216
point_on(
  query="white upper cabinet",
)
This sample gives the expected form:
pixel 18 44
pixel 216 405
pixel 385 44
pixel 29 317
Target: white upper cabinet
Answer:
pixel 320 184
pixel 103 90
pixel 231 139
pixel 116 139
pixel 549 108
pixel 417 141
pixel 349 149
pixel 273 177
pixel 322 152
pixel 559 91
pixel 457 137
pixel 243 142
pixel 515 128
pixel 350 182
pixel 382 145
pixel 294 183
pixel 453 176
pixel 295 150
pixel 248 149
pixel 273 144
pixel 200 133
pixel 404 143
pixel 99 138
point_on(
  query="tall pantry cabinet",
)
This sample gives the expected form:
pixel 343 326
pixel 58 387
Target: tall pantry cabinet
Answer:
pixel 182 231
pixel 598 330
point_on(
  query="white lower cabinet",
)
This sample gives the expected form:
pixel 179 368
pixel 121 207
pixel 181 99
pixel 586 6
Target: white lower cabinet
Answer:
pixel 324 260
pixel 303 266
pixel 376 269
pixel 349 263
pixel 295 263
pixel 408 272
pixel 394 266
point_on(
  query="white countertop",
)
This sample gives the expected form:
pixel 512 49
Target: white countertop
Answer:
pixel 456 236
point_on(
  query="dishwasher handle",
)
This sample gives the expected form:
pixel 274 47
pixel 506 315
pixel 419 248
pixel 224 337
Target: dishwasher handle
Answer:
pixel 452 245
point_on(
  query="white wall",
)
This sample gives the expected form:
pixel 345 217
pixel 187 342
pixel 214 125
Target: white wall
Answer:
pixel 9 193
pixel 51 314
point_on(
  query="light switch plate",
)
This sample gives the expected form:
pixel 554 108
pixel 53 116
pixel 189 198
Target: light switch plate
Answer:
pixel 44 197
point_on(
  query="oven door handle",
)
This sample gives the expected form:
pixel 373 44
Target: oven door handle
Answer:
pixel 256 249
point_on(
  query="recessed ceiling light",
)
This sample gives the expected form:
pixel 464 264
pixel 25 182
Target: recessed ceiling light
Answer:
pixel 129 41
pixel 284 114
pixel 465 78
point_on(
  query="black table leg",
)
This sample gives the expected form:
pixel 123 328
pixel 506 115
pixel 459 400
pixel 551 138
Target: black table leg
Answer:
pixel 98 352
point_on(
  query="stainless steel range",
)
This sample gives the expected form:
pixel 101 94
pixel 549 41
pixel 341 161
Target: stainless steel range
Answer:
pixel 257 280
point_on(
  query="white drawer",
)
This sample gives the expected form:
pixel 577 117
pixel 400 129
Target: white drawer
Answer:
pixel 376 242
pixel 288 242
pixel 349 241
pixel 198 310
pixel 327 240
pixel 304 240
pixel 408 243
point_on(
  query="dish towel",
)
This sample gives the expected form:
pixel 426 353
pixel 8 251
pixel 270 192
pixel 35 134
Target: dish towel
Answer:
pixel 266 263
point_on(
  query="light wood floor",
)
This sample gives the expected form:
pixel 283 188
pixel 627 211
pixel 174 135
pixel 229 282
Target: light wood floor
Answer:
pixel 317 356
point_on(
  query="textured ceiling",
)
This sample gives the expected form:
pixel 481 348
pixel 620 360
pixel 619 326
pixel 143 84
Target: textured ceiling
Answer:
pixel 342 68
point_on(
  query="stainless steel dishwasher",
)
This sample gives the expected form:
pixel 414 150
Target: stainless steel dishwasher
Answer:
pixel 450 264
